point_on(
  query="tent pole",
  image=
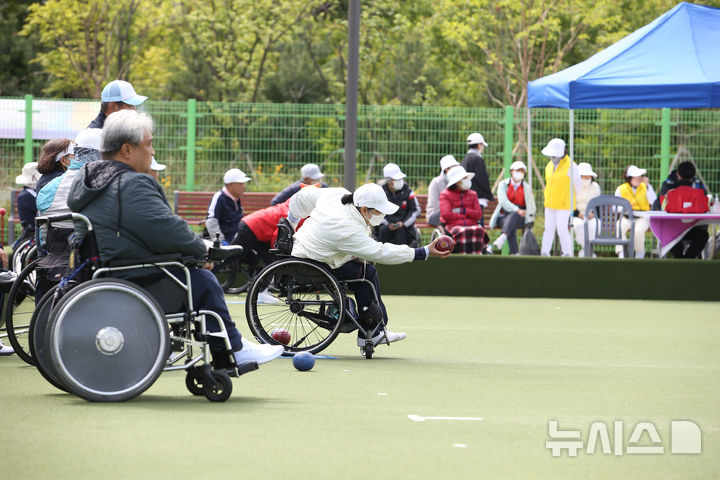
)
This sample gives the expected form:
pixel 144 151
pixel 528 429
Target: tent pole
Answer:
pixel 572 179
pixel 529 148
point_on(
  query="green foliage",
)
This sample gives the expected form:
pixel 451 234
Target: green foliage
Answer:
pixel 17 75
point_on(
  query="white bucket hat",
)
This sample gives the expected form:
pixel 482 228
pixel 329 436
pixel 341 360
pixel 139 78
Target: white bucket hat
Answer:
pixel 235 175
pixel 633 171
pixel 585 170
pixel 517 165
pixel 391 170
pixel 448 161
pixel 554 148
pixel 29 176
pixel 458 173
pixel 372 195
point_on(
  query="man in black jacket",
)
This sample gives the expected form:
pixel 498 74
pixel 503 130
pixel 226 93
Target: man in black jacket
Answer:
pixel 310 174
pixel 474 163
pixel 399 227
pixel 133 221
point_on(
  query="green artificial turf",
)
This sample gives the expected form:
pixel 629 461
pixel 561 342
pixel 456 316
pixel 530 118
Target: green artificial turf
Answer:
pixel 516 363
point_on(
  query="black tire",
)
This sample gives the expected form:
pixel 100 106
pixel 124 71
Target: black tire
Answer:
pixel 192 383
pixel 19 307
pixel 235 276
pixel 108 340
pixel 39 340
pixel 309 305
pixel 19 255
pixel 221 390
pixel 368 350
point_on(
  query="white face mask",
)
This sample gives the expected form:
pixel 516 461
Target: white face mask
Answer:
pixel 465 184
pixel 397 184
pixel 376 220
pixel 518 176
pixel 586 182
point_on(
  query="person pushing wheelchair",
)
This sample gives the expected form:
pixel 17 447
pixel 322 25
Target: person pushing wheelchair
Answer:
pixel 133 221
pixel 337 232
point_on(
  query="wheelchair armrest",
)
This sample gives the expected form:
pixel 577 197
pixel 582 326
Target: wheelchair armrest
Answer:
pixel 221 253
pixel 166 257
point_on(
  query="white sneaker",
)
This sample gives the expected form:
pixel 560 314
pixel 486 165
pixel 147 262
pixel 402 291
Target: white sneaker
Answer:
pixel 380 338
pixel 267 298
pixel 252 352
pixel 499 242
pixel 5 351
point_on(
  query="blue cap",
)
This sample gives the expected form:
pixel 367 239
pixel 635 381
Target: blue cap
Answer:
pixel 121 91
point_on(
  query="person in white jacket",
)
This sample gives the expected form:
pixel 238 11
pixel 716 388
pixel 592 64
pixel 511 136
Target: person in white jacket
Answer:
pixel 589 190
pixel 337 233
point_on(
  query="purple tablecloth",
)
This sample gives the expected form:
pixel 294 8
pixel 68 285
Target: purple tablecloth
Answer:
pixel 670 228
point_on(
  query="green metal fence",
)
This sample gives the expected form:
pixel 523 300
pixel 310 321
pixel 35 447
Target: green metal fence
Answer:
pixel 200 140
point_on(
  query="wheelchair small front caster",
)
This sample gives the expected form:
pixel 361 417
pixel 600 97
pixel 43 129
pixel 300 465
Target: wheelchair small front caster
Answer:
pixel 219 387
pixel 193 381
pixel 368 349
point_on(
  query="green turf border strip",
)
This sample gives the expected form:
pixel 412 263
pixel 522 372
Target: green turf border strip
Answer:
pixel 554 277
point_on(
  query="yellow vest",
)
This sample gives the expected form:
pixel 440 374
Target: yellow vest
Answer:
pixel 557 185
pixel 637 199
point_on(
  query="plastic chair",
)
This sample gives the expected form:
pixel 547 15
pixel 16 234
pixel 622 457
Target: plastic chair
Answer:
pixel 609 209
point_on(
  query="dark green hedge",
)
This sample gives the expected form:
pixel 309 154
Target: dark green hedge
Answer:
pixel 553 277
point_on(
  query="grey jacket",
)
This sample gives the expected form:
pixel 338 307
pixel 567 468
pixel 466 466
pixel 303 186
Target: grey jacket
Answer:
pixel 130 215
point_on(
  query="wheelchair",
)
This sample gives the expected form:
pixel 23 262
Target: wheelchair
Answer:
pixel 234 273
pixel 106 333
pixel 304 298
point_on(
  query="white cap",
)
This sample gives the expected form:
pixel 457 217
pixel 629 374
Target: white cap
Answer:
pixel 121 91
pixel 372 195
pixel 154 165
pixel 235 175
pixel 475 139
pixel 448 161
pixel 458 173
pixel 554 148
pixel 391 170
pixel 30 175
pixel 633 171
pixel 518 165
pixel 585 170
pixel 311 171
pixel 89 138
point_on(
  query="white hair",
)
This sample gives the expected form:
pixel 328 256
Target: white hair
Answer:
pixel 124 126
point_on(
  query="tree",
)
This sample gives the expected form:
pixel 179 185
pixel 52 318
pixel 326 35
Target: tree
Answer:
pixel 510 42
pixel 88 43
pixel 18 75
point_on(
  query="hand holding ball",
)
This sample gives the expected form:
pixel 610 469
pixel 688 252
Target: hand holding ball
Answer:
pixel 444 244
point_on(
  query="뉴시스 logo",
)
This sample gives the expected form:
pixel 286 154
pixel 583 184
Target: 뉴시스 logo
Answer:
pixel 685 437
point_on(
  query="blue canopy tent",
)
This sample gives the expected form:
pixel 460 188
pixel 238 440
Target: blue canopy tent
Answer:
pixel 673 62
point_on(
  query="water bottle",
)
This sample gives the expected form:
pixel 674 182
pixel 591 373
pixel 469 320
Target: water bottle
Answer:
pixel 716 205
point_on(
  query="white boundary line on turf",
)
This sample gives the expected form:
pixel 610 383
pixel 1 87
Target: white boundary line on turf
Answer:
pixel 418 418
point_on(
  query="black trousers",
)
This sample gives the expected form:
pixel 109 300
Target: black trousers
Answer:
pixel 253 250
pixel 361 290
pixel 698 237
pixel 510 223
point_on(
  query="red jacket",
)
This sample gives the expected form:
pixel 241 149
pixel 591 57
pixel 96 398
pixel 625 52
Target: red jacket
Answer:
pixel 686 199
pixel 263 223
pixel 466 200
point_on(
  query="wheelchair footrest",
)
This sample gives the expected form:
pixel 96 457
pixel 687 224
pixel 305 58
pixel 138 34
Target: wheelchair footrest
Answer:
pixel 247 368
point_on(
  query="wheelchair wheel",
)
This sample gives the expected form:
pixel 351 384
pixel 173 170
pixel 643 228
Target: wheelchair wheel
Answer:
pixel 19 307
pixel 220 388
pixel 108 340
pixel 19 257
pixel 193 381
pixel 39 339
pixel 300 296
pixel 235 275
